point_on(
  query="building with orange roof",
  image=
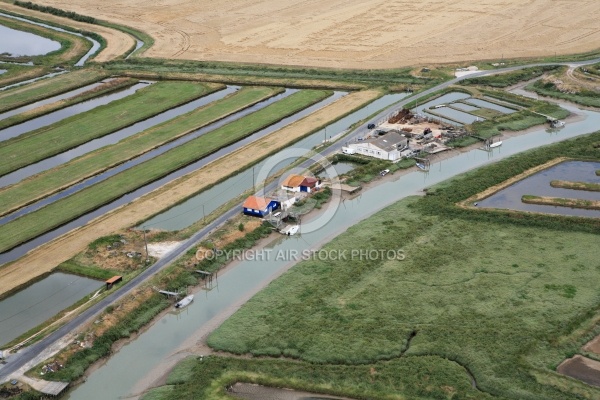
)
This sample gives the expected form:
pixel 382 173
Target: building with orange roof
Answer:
pixel 299 183
pixel 260 206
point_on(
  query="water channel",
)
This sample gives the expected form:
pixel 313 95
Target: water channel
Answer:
pixel 465 107
pixel 193 209
pixel 113 138
pixel 51 100
pixel 138 45
pixel 490 105
pixel 50 75
pixel 19 251
pixel 35 304
pixel 121 373
pixel 539 185
pixel 109 139
pixel 423 109
pixel 17 43
pixel 456 115
pixel 95 44
pixel 59 115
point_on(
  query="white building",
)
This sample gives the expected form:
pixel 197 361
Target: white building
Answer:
pixel 385 147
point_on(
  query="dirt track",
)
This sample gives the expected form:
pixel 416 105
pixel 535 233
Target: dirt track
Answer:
pixel 117 43
pixel 354 33
pixel 46 257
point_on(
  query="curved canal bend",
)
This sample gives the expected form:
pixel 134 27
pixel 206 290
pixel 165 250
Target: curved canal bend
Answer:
pixel 123 373
pixel 27 354
pixel 95 44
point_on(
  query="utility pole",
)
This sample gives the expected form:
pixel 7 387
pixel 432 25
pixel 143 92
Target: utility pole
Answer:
pixel 253 187
pixel 146 244
pixel 203 214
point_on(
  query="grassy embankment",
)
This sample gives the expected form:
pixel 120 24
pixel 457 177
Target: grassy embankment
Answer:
pixel 384 380
pixel 367 168
pixel 119 321
pixel 72 49
pixel 64 210
pixel 510 78
pixel 144 37
pixel 561 202
pixel 93 35
pixel 103 89
pixel 592 187
pixel 493 291
pixel 64 175
pixel 393 79
pixel 584 97
pixel 50 140
pixel 20 96
pixel 534 113
pixel 520 120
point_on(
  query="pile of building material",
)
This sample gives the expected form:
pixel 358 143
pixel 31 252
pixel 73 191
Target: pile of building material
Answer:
pixel 401 117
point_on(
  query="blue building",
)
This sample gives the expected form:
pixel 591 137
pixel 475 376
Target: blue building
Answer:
pixel 260 206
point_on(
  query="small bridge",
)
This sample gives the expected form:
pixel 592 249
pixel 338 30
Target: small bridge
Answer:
pixel 168 293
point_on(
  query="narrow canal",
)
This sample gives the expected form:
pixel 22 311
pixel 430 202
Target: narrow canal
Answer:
pixel 59 115
pixel 193 209
pixel 95 44
pixel 35 304
pixel 56 160
pixel 50 75
pixel 50 100
pixel 118 377
pixel 111 138
pixel 19 251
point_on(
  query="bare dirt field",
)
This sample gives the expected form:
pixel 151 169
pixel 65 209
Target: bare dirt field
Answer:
pixel 354 33
pixel 582 368
pixel 593 345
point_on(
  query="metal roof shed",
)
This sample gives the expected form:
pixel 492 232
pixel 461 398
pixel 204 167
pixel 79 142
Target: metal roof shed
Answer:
pixel 115 279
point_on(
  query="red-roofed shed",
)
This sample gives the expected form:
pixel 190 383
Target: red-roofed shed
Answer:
pixel 115 279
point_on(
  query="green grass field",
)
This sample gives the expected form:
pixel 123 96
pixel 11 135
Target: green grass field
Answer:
pixel 487 113
pixel 64 210
pixel 592 187
pixel 495 292
pixel 584 97
pixel 88 165
pixel 287 74
pixel 53 139
pixel 430 378
pixel 510 78
pixel 102 90
pixel 520 120
pixel 20 96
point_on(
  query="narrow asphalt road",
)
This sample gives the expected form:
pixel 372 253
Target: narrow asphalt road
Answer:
pixel 27 354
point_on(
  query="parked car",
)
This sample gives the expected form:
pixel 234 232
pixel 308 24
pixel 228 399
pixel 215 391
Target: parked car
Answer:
pixel 384 172
pixel 371 126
